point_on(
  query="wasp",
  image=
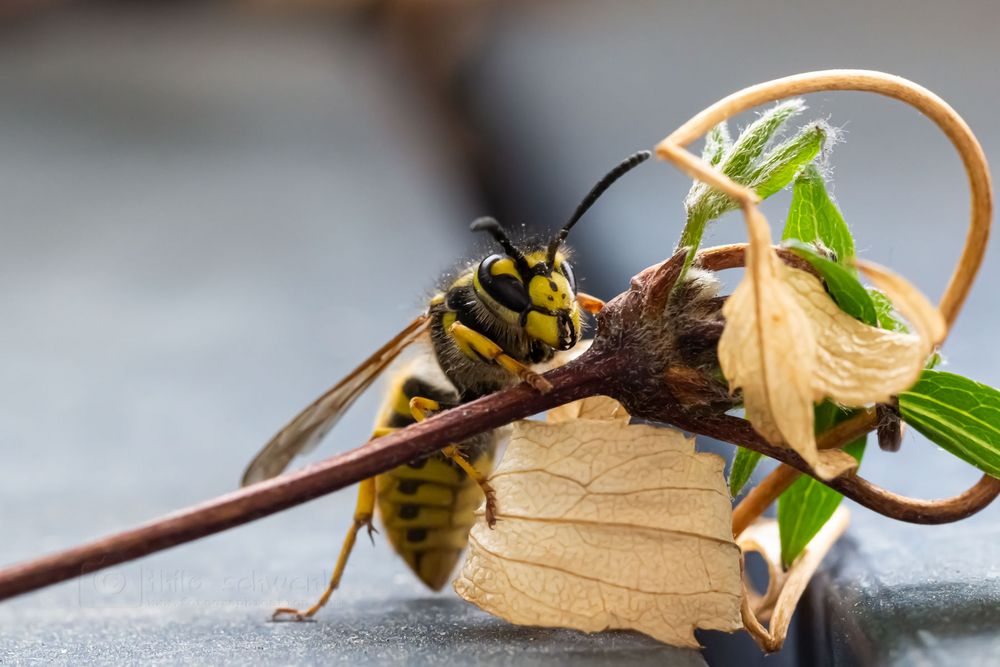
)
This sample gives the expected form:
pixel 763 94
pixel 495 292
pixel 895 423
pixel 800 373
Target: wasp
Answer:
pixel 487 329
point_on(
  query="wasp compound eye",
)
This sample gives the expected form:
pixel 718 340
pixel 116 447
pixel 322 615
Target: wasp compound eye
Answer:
pixel 567 270
pixel 503 288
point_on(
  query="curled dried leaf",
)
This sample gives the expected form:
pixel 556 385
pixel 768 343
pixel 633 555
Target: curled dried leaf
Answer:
pixel 858 364
pixel 768 349
pixel 908 300
pixel 787 345
pixel 607 526
pixel 785 588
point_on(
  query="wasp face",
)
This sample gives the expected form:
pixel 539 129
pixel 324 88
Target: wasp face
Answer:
pixel 536 291
pixel 535 294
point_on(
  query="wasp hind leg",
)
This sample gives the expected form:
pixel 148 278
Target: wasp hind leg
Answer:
pixel 420 408
pixel 363 513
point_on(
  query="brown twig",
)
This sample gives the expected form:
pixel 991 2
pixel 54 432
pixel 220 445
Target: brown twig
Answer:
pixel 777 482
pixel 606 370
pixel 259 500
pixel 911 510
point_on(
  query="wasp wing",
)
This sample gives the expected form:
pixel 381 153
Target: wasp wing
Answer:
pixel 308 427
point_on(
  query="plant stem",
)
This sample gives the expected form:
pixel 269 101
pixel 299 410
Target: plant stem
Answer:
pixel 573 381
pixel 777 482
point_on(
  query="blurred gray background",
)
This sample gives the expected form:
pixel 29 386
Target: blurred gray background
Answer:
pixel 211 212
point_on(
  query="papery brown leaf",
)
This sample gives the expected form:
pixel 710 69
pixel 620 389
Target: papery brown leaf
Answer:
pixel 795 347
pixel 603 525
pixel 856 364
pixel 768 349
pixel 593 407
pixel 784 588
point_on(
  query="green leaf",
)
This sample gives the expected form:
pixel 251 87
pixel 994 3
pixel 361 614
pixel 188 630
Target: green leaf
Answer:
pixel 805 507
pixel 746 163
pixel 827 415
pixel 814 218
pixel 717 142
pixel 783 162
pixel 842 284
pixel 886 312
pixel 743 466
pixel 808 504
pixel 749 146
pixel 959 414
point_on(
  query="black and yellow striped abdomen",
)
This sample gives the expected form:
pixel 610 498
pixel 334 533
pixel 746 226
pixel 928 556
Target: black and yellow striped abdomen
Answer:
pixel 427 506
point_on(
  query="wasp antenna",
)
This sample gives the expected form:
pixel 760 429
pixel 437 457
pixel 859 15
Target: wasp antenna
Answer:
pixel 494 229
pixel 620 170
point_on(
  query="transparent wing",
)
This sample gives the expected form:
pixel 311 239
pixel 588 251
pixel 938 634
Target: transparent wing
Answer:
pixel 306 430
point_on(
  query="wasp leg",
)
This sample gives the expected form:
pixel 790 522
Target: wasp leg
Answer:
pixel 420 408
pixel 591 304
pixel 363 512
pixel 486 348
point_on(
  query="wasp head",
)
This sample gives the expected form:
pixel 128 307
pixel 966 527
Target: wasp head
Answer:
pixel 536 289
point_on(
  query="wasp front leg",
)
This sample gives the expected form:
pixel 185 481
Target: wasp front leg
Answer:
pixel 591 304
pixel 364 510
pixel 421 408
pixel 487 349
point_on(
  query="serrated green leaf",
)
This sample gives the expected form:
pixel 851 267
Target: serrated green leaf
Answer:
pixel 814 218
pixel 842 284
pixel 886 312
pixel 960 415
pixel 780 165
pixel 744 463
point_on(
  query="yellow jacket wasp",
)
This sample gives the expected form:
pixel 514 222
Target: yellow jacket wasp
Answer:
pixel 498 318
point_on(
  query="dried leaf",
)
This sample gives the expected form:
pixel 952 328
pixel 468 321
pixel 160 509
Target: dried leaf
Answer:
pixel 908 300
pixel 601 408
pixel 603 525
pixel 858 364
pixel 768 348
pixel 784 589
pixel 787 345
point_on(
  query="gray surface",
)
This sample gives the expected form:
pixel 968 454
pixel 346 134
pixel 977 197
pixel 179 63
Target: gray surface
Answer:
pixel 191 205
pixel 940 606
pixel 440 631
